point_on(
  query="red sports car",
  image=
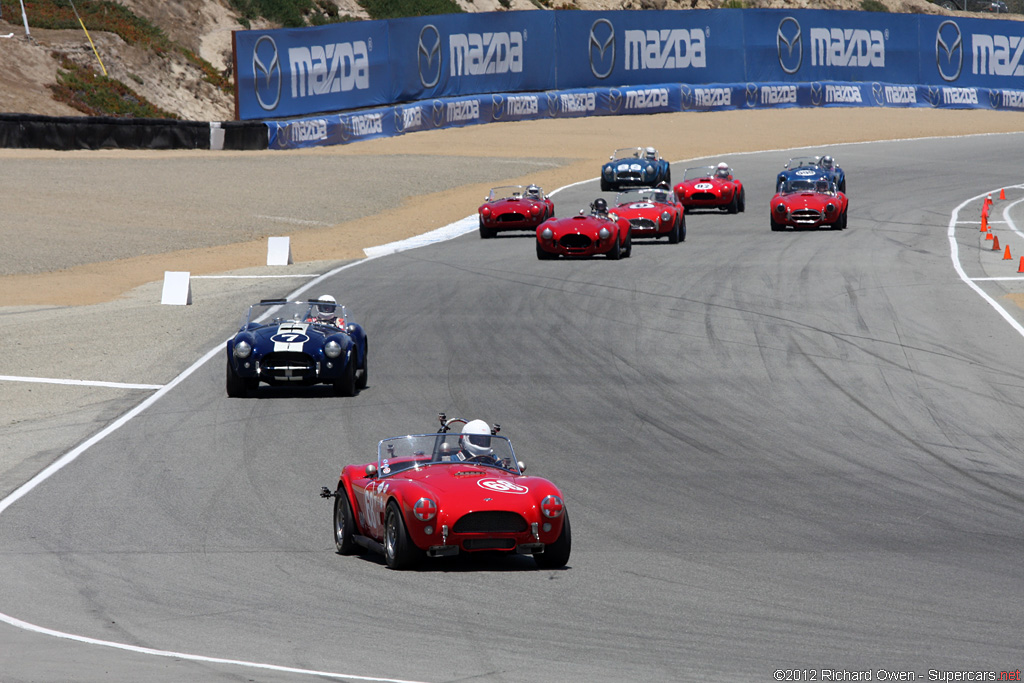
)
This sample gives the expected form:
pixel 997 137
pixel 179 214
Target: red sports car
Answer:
pixel 652 212
pixel 808 202
pixel 434 495
pixel 711 187
pixel 599 232
pixel 514 207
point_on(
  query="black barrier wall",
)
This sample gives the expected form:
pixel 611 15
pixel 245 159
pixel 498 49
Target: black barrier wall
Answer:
pixel 102 132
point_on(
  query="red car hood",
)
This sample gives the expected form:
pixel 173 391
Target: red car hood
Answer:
pixel 642 210
pixel 586 225
pixel 476 482
pixel 518 205
pixel 807 200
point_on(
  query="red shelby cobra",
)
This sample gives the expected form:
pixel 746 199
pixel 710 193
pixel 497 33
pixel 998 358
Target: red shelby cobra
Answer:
pixel 652 212
pixel 514 207
pixel 808 202
pixel 711 187
pixel 600 232
pixel 434 495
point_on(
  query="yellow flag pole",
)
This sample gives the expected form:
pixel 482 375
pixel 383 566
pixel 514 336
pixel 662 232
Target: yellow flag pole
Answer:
pixel 94 51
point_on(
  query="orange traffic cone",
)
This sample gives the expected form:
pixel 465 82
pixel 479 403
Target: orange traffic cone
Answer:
pixel 1006 254
pixel 1002 193
pixel 984 223
pixel 1020 268
pixel 995 244
pixel 989 236
pixel 988 202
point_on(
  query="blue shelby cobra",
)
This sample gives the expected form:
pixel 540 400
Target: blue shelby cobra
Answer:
pixel 634 167
pixel 825 164
pixel 297 343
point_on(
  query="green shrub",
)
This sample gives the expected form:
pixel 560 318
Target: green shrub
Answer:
pixel 393 9
pixel 96 95
pixel 873 6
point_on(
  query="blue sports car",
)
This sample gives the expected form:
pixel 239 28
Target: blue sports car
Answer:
pixel 825 164
pixel 634 167
pixel 297 343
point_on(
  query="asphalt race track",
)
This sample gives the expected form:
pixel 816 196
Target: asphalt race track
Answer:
pixel 796 450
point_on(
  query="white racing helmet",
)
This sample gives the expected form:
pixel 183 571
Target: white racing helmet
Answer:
pixel 327 309
pixel 651 153
pixel 476 439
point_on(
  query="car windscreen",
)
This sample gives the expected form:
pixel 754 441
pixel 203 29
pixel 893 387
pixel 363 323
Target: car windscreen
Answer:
pixel 698 172
pixel 424 450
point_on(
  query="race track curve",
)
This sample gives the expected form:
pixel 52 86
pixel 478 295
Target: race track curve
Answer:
pixel 796 450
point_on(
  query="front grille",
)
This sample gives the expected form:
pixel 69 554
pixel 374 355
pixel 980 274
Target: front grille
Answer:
pixel 575 241
pixel 495 522
pixel 643 224
pixel 629 177
pixel 511 218
pixel 805 216
pixel 489 544
pixel 288 363
pixel 703 196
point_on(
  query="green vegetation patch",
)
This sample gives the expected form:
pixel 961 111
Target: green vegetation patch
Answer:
pixel 873 6
pixel 289 13
pixel 97 95
pixel 394 9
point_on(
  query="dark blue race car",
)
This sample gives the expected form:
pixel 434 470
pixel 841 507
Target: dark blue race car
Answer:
pixel 826 164
pixel 634 167
pixel 297 343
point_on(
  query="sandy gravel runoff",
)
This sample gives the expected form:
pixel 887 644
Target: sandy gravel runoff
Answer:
pixel 87 235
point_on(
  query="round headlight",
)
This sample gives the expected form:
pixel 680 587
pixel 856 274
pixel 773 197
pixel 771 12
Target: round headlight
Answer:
pixel 607 171
pixel 552 507
pixel 666 217
pixel 780 208
pixel 649 170
pixel 604 233
pixel 243 349
pixel 486 211
pixel 830 208
pixel 535 210
pixel 546 234
pixel 424 509
pixel 332 349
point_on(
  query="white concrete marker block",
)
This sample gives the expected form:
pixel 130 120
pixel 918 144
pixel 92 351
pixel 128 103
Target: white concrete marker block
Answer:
pixel 279 251
pixel 216 136
pixel 177 288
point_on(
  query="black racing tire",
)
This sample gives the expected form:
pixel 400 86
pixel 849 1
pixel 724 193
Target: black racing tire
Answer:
pixel 556 555
pixel 363 374
pixel 344 523
pixel 673 237
pixel 743 199
pixel 605 186
pixel 544 255
pixel 776 227
pixel 237 387
pixel 682 228
pixel 842 185
pixel 346 384
pixel 399 551
pixel 842 221
pixel 615 253
pixel 627 248
pixel 734 204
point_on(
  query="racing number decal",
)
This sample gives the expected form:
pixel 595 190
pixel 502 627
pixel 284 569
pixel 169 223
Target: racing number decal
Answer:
pixel 703 186
pixel 641 205
pixel 289 338
pixel 373 505
pixel 501 486
pixel 806 172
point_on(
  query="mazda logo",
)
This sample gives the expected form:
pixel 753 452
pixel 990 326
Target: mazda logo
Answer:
pixel 817 94
pixel 934 95
pixel 437 113
pixel 552 103
pixel 266 73
pixel 790 45
pixel 614 100
pixel 399 120
pixel 428 56
pixel 878 93
pixel 602 41
pixel 344 128
pixel 282 134
pixel 751 94
pixel 949 50
pixel 687 96
pixel 497 107
pixel 995 98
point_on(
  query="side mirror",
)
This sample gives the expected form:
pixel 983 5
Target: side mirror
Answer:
pixel 371 470
pixel 522 465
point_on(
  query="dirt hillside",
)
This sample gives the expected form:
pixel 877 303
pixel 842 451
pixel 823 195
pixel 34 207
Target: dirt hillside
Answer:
pixel 205 26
